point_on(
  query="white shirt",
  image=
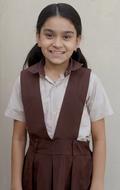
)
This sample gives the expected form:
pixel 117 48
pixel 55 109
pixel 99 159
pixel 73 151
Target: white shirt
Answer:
pixel 96 107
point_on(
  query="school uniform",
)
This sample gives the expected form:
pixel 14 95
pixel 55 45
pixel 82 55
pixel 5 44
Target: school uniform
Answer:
pixel 58 157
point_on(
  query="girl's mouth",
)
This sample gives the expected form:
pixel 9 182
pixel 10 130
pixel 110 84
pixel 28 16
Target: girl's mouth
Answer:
pixel 56 52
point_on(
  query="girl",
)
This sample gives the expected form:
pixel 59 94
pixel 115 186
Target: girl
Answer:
pixel 59 102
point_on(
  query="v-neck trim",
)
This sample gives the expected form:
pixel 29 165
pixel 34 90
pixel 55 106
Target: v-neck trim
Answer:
pixel 70 114
pixel 66 106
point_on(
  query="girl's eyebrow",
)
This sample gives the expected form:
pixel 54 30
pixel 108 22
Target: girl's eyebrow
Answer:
pixel 66 32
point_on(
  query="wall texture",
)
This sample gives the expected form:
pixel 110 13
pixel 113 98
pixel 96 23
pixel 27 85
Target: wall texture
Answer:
pixel 100 44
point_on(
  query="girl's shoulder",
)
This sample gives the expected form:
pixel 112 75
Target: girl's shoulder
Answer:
pixel 94 78
pixel 16 84
pixel 95 84
pixel 97 99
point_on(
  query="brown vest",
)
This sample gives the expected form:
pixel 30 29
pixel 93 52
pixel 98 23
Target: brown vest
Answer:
pixel 61 163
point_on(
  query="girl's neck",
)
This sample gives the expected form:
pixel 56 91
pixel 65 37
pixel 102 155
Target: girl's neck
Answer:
pixel 55 70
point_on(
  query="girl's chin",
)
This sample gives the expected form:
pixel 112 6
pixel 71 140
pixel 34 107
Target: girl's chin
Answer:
pixel 57 61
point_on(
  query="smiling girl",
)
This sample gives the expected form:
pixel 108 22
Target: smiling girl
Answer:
pixel 59 103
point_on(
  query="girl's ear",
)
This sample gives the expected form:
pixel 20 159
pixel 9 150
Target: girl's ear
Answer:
pixel 78 42
pixel 38 39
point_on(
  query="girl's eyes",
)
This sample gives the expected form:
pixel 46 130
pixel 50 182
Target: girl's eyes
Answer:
pixel 65 37
pixel 49 36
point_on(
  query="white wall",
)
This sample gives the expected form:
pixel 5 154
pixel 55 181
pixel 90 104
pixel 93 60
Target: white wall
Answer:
pixel 100 44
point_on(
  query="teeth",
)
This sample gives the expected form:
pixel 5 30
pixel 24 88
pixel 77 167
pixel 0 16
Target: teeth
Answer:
pixel 59 52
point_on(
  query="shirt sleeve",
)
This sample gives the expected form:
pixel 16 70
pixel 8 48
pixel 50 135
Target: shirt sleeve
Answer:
pixel 97 100
pixel 14 108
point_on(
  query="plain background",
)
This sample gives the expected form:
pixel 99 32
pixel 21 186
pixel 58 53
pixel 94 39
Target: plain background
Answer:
pixel 100 44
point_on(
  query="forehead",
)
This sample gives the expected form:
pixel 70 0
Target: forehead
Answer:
pixel 58 24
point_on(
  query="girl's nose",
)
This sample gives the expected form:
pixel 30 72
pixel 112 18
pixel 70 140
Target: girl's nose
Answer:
pixel 57 42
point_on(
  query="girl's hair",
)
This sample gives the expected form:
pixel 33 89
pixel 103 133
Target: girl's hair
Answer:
pixel 66 11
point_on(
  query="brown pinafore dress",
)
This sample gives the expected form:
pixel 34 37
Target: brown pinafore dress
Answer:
pixel 61 163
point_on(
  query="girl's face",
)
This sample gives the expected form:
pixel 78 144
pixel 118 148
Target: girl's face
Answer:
pixel 58 39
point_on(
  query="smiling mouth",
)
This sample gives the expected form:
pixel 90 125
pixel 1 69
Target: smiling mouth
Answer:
pixel 56 52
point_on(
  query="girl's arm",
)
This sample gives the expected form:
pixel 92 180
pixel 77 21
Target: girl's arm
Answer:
pixel 99 154
pixel 17 154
